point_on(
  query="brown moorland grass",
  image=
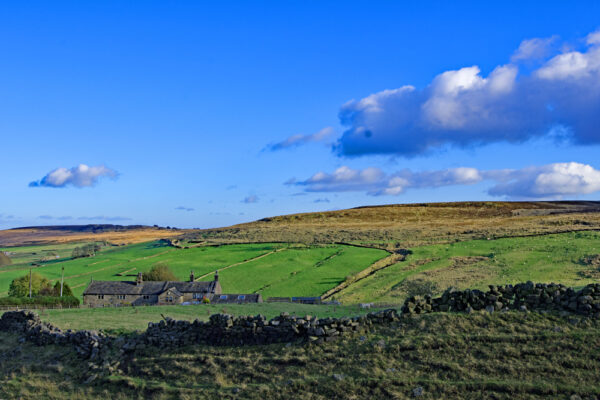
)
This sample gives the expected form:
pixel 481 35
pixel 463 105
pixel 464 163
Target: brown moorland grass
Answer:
pixel 410 225
pixel 80 233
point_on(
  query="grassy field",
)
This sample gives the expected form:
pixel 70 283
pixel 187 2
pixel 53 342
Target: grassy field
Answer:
pixel 556 258
pixel 283 271
pixel 128 319
pixel 477 356
pixel 309 271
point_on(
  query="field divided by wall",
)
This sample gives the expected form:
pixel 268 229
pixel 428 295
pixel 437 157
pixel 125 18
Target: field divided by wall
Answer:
pixel 271 269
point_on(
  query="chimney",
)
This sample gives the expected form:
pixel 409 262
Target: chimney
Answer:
pixel 192 276
pixel 139 279
pixel 216 276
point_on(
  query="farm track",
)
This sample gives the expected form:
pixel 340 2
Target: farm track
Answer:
pixel 240 263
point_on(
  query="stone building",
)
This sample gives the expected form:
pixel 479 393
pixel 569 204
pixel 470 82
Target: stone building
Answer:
pixel 139 293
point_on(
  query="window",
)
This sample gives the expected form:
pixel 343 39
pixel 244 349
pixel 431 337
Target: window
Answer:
pixel 100 296
pixel 121 296
pixel 223 297
pixel 241 297
pixel 197 295
pixel 146 297
pixel 169 299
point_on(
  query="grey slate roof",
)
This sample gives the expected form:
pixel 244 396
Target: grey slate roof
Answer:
pixel 148 288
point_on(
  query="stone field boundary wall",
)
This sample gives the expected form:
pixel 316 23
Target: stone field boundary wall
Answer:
pixel 104 351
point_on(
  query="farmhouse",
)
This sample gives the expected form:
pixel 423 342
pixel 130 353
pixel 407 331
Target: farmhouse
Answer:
pixel 138 293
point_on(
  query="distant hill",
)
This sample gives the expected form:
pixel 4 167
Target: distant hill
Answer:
pixel 118 234
pixel 410 225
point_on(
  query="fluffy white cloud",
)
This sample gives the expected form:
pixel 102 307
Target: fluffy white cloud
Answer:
pixel 548 181
pixel 551 181
pixel 464 107
pixel 298 140
pixel 79 176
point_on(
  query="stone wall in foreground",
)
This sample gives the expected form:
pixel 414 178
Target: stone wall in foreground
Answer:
pixel 227 330
pixel 522 296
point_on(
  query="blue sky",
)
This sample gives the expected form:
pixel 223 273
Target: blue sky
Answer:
pixel 203 114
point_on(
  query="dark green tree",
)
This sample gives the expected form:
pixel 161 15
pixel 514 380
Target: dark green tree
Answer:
pixel 159 272
pixel 66 289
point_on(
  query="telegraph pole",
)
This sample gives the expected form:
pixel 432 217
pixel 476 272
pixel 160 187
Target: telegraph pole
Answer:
pixel 29 282
pixel 62 280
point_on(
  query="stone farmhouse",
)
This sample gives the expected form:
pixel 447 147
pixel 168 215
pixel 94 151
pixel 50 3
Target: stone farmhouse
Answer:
pixel 140 293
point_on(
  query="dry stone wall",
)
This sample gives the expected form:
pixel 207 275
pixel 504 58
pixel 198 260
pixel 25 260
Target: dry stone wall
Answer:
pixel 522 296
pixel 224 329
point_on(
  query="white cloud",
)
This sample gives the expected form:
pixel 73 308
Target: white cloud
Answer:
pixel 553 181
pixel 79 176
pixel 375 182
pixel 464 107
pixel 533 49
pixel 298 140
pixel 593 38
pixel 548 181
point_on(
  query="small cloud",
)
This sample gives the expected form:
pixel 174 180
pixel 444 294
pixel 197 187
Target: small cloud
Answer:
pixel 324 200
pixel 104 218
pixel 250 199
pixel 299 193
pixel 65 218
pixel 534 49
pixel 299 140
pixel 231 187
pixel 79 176
pixel 182 208
pixel 45 217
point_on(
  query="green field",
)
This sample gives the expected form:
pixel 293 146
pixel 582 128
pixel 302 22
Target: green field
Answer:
pixel 298 270
pixel 127 319
pixel 283 271
pixel 478 263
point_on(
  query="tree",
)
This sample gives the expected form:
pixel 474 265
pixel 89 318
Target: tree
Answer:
pixel 88 250
pixel 66 289
pixel 159 272
pixel 20 286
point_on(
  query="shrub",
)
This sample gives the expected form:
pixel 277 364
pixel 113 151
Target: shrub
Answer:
pixel 65 301
pixel 159 272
